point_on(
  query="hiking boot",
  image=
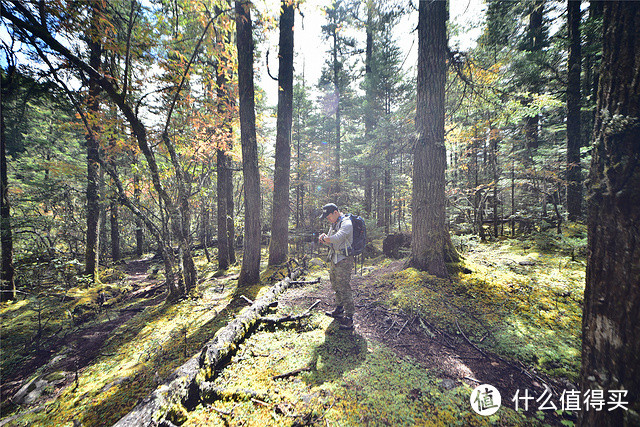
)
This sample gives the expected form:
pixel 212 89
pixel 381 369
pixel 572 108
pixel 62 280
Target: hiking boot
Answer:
pixel 336 313
pixel 346 323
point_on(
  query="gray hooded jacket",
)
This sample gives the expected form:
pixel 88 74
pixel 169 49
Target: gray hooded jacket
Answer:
pixel 341 237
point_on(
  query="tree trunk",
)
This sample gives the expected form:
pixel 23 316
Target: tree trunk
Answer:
pixel 368 114
pixel 223 243
pixel 279 244
pixel 430 238
pixel 591 57
pixel 387 187
pixel 250 270
pixel 93 152
pixel 533 44
pixel 611 314
pixel 231 231
pixel 115 230
pixel 574 174
pixel 7 280
pixel 493 143
pixel 379 204
pixel 139 223
pixel 335 192
pixel 224 181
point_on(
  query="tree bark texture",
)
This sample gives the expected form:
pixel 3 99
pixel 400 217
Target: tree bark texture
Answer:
pixel 368 113
pixel 115 230
pixel 250 270
pixel 574 174
pixel 7 276
pixel 429 231
pixel 93 152
pixel 336 186
pixel 223 244
pixel 611 314
pixel 279 244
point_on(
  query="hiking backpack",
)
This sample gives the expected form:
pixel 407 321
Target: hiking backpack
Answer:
pixel 359 235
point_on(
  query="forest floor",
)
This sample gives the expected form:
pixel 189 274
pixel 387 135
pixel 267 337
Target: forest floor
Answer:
pixel 510 318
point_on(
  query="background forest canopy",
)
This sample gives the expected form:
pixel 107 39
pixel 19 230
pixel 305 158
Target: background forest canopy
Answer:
pixel 122 132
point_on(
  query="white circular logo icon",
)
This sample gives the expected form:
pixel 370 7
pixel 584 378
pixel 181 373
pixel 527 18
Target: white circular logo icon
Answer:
pixel 485 399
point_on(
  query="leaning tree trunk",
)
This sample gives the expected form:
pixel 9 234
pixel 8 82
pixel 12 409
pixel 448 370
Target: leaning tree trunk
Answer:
pixel 430 242
pixel 250 270
pixel 574 180
pixel 30 24
pixel 279 244
pixel 611 315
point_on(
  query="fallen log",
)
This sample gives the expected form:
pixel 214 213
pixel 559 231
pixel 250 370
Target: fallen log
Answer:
pixel 182 389
pixel 210 393
pixel 290 317
pixel 292 373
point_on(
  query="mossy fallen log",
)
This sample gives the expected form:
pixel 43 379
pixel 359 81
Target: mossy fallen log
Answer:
pixel 182 389
pixel 210 393
pixel 226 340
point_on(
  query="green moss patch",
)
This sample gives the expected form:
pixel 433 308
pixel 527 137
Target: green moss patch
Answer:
pixel 516 301
pixel 335 378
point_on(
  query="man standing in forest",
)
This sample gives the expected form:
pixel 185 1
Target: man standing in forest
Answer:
pixel 340 238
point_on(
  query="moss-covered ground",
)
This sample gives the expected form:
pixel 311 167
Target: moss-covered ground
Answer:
pixel 514 302
pixel 519 298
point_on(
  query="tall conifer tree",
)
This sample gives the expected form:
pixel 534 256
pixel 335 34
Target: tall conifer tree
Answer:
pixel 611 314
pixel 250 270
pixel 430 242
pixel 278 246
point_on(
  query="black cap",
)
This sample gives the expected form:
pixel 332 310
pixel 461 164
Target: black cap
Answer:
pixel 327 209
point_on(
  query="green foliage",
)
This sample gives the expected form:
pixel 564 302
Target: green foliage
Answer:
pixel 45 176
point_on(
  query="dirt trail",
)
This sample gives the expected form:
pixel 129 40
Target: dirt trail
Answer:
pixel 451 357
pixel 85 341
